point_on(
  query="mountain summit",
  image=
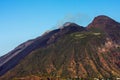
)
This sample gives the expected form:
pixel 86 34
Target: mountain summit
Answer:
pixel 70 52
pixel 102 21
pixel 106 25
pixel 25 48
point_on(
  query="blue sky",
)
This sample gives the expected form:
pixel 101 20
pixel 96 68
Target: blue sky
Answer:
pixel 21 20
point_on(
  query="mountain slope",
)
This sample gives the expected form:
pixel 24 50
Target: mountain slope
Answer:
pixel 107 25
pixel 69 52
pixel 11 59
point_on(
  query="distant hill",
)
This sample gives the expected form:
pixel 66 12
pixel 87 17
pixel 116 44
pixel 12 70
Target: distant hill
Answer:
pixel 70 52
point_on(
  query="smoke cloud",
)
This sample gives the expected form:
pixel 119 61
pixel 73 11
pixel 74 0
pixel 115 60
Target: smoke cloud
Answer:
pixel 80 19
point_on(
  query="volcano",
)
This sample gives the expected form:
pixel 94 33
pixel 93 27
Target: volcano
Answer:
pixel 70 52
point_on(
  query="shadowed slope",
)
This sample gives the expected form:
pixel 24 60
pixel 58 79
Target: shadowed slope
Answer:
pixel 69 52
pixel 11 59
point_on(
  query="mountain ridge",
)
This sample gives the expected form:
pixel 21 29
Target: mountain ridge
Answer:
pixel 78 42
pixel 106 25
pixel 36 43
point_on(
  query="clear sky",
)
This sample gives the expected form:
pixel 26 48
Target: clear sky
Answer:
pixel 21 20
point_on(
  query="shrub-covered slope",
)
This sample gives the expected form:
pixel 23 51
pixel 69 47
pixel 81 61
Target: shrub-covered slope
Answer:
pixel 69 52
pixel 80 54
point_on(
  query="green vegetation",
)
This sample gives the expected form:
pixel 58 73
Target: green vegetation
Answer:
pixel 54 60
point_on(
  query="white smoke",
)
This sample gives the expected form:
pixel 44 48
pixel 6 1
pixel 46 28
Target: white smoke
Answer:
pixel 80 19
